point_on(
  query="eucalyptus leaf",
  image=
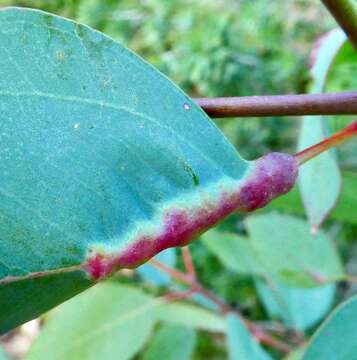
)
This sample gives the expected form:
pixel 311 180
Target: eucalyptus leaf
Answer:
pixel 298 308
pixel 171 343
pixel 286 248
pixel 336 339
pixel 104 163
pixel 234 251
pixel 241 344
pixel 95 145
pixel 190 316
pixel 109 321
pixel 320 192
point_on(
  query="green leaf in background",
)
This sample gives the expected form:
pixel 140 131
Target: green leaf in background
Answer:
pixel 241 345
pixel 336 339
pixel 109 321
pixel 190 316
pixel 345 210
pixel 286 248
pixel 113 321
pixel 171 343
pixel 298 308
pixel 234 251
pixel 320 191
pixel 102 160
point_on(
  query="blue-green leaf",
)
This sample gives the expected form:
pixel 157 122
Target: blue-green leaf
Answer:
pixel 336 339
pixel 107 322
pixel 286 248
pixel 320 191
pixel 298 308
pixel 190 316
pixel 234 251
pixel 100 155
pixel 171 343
pixel 104 163
pixel 241 344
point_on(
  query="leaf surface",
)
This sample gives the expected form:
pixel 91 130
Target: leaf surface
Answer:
pixel 104 162
pixel 286 248
pixel 241 344
pixel 336 339
pixel 234 251
pixel 320 191
pixel 109 321
pixel 298 308
pixel 171 343
pixel 190 316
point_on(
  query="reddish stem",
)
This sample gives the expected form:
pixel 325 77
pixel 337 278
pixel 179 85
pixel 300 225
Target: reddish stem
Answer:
pixel 187 260
pixel 280 105
pixel 175 274
pixel 196 287
pixel 340 137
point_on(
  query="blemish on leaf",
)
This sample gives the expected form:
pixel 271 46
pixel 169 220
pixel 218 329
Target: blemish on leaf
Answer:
pixel 60 55
pixel 186 106
pixel 190 171
pixel 272 175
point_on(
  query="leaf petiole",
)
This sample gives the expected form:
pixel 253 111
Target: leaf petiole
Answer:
pixel 340 137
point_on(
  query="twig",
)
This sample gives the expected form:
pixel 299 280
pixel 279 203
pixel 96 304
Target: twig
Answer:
pixel 345 13
pixel 344 103
pixel 340 137
pixel 175 274
pixel 196 287
pixel 187 260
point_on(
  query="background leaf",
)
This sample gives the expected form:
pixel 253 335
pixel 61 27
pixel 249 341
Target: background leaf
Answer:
pixel 190 316
pixel 298 308
pixel 336 339
pixel 171 343
pixel 288 250
pixel 234 251
pixel 109 321
pixel 320 192
pixel 241 345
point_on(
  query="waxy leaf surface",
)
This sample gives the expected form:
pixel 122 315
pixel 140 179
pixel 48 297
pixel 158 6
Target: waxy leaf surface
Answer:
pixel 114 321
pixel 285 247
pixel 104 163
pixel 336 339
pixel 320 178
pixel 171 343
pixel 240 342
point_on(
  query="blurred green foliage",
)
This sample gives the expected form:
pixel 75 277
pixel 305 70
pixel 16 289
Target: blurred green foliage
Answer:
pixel 235 48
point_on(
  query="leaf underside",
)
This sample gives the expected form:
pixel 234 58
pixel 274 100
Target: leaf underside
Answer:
pixel 96 148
